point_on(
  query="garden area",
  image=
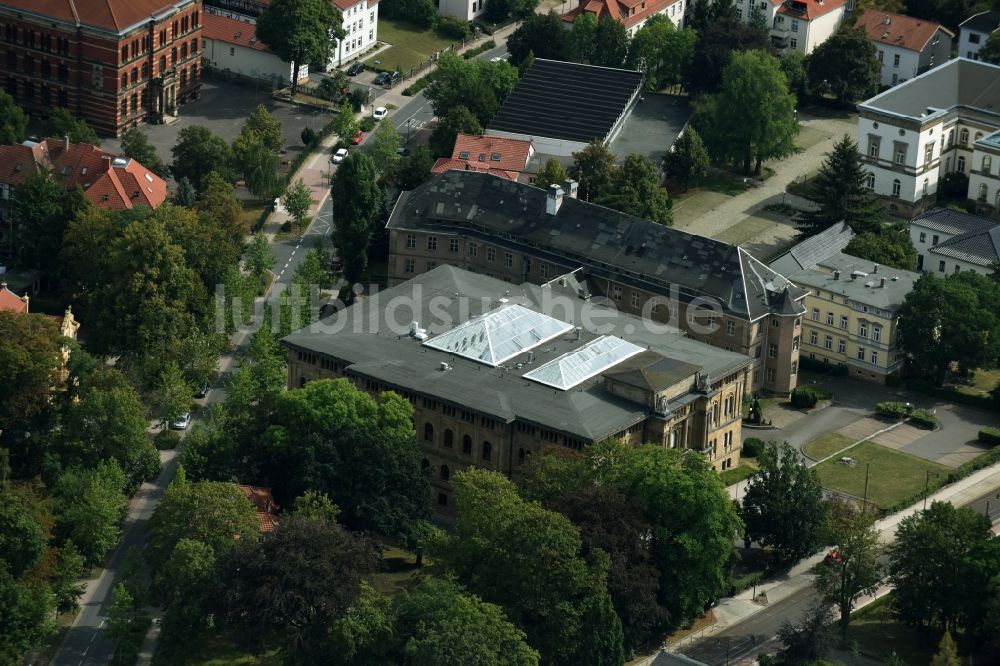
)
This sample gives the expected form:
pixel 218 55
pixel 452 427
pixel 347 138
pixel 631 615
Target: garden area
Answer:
pixel 892 475
pixel 411 45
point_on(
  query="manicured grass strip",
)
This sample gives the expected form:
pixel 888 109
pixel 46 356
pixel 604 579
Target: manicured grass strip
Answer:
pixel 737 474
pixel 410 45
pixel 894 475
pixel 828 444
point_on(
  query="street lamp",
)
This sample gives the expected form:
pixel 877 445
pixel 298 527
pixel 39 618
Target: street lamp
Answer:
pixel 927 481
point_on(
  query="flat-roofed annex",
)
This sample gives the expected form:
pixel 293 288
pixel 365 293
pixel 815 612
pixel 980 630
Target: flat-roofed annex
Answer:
pixel 581 364
pixel 499 335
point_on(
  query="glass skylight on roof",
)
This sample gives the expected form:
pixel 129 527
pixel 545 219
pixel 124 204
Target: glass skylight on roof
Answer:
pixel 499 335
pixel 581 364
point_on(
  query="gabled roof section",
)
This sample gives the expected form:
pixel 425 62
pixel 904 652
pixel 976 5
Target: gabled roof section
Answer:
pixel 567 100
pixel 808 10
pixel 627 12
pixel 982 22
pixel 494 152
pixel 499 335
pixel 950 221
pixel 981 248
pixel 231 31
pixel 899 30
pixel 581 364
pixel 12 302
pixel 814 249
pixel 110 15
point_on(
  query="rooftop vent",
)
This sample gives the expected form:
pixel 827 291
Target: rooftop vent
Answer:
pixel 887 20
pixel 119 162
pixel 445 367
pixel 836 275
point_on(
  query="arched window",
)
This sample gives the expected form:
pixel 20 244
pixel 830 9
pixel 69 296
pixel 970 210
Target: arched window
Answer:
pixel 487 451
pixel 428 432
pixel 445 473
pixel 951 137
pixel 987 163
pixel 963 136
pixel 923 187
pixel 425 464
pixel 449 439
pixel 979 135
pixel 983 191
pixel 467 445
pixel 961 164
pixel 163 64
pixel 896 186
pixel 124 80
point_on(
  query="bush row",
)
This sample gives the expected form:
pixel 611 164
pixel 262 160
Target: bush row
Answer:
pixel 737 585
pixel 417 85
pixel 482 48
pixel 805 397
pixel 892 410
pixel 837 370
pixel 989 436
pixel 925 419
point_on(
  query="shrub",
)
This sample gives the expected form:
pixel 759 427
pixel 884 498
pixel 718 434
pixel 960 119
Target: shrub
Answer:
pixel 309 136
pixel 925 419
pixel 892 410
pixel 167 439
pixel 367 124
pixel 989 436
pixel 752 447
pixel 417 86
pixel 804 397
pixel 286 226
pixel 452 28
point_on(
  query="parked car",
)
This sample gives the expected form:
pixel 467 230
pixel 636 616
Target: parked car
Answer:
pixel 202 391
pixel 181 422
pixel 357 138
pixel 356 68
pixel 833 557
pixel 379 113
pixel 403 152
pixel 339 156
pixel 381 79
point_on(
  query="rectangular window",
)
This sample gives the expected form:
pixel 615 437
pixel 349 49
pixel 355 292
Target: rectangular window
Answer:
pixel 408 265
pixel 815 314
pixel 861 353
pixel 772 351
pixel 813 337
pixel 843 322
pixel 432 243
pixel 841 347
pixel 616 293
pixel 473 248
pixel 874 357
pixel 881 56
pixel 828 342
pixel 795 367
pixel 795 343
pixel 730 327
pixel 795 25
pixel 491 254
pixel 635 299
pixel 877 333
pixel 794 43
pixel 769 375
pixel 923 237
pixel 453 245
pixel 899 153
pixel 895 60
pixel 544 269
pixel 411 240
pixel 941 267
pixel 929 153
pixel 508 259
pixel 829 319
pixel 863 329
pixel 934 241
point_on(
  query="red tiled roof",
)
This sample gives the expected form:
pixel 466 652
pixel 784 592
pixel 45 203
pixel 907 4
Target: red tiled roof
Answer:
pixel 899 30
pixel 619 10
pixel 231 31
pixel 108 181
pixel 11 301
pixel 114 15
pixel 263 502
pixel 492 152
pixel 445 164
pixel 807 10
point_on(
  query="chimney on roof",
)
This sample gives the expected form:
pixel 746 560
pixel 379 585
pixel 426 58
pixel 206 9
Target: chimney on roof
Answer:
pixel 881 282
pixel 836 275
pixel 553 199
pixel 571 187
pixel 875 269
pixel 66 142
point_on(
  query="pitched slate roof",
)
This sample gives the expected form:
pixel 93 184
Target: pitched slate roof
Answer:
pixel 111 15
pixel 107 180
pixel 859 280
pixel 807 10
pixel 982 22
pixel 814 249
pixel 231 31
pixel 950 221
pixel 899 30
pixel 627 12
pixel 567 100
pixel 607 243
pixel 981 248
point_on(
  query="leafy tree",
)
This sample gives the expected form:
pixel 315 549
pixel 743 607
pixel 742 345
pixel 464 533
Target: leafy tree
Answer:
pixel 22 539
pixel 213 513
pixel 257 163
pixel 498 11
pixel 949 321
pixel 13 120
pixel 542 35
pixel 990 51
pixel 66 586
pixel 847 66
pixel 459 119
pixel 594 165
pixel 783 506
pixel 300 31
pixel 360 451
pixel 25 615
pixel 528 560
pixel 439 622
pixel 840 191
pixel 186 578
pixel 688 160
pixel 415 169
pixel 297 200
pixel 198 153
pixel 890 246
pixel 218 201
pixel 136 144
pixel 717 43
pixel 385 151
pixel 552 173
pixel 420 13
pixel 856 570
pixel 41 222
pixel 314 270
pixel 809 640
pixel 92 505
pixel 793 64
pixel 926 563
pixel 134 578
pixel 171 395
pixel 30 358
pixel 258 257
pixel 185 195
pixel 583 38
pixel 268 128
pixel 947 654
pixel 124 614
pixel 297 580
pixel 699 16
pixel 356 197
pixel 315 505
pixel 662 51
pixel 61 123
pixel 635 189
pixel 610 43
pixel 365 634
pixel 347 124
pixel 109 421
pixel 479 85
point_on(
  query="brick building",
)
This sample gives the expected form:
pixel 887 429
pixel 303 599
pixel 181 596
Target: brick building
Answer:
pixel 520 233
pixel 114 63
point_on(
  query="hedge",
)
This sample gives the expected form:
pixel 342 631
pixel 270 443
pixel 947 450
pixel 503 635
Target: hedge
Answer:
pixel 417 86
pixel 925 419
pixel 805 396
pixel 991 457
pixel 894 410
pixel 482 48
pixel 752 447
pixel 743 583
pixel 989 436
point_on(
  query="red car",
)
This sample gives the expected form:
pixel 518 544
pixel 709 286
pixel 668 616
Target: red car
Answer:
pixel 358 137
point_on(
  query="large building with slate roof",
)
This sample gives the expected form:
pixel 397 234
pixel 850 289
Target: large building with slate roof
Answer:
pixel 966 242
pixel 562 106
pixel 716 292
pixel 496 371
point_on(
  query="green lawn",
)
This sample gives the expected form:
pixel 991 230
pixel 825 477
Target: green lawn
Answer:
pixel 723 183
pixel 744 471
pixel 828 444
pixel 894 475
pixel 878 634
pixel 983 381
pixel 401 572
pixel 410 45
pixel 221 650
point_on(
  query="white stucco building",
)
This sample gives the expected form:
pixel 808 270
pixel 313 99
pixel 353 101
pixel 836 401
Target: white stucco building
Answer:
pixel 974 31
pixel 950 241
pixel 911 135
pixel 802 25
pixel 361 26
pixel 231 45
pixel 905 46
pixel 464 10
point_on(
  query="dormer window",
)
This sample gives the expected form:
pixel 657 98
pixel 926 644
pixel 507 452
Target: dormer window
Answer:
pixel 83 171
pixel 482 157
pixel 65 171
pixel 495 157
pixel 464 155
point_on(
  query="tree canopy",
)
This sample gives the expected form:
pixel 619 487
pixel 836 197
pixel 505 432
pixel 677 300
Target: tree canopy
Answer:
pixel 635 189
pixel 459 119
pixel 841 192
pixel 61 123
pixel 300 31
pixel 845 65
pixel 479 85
pixel 13 120
pixel 356 201
pixel 688 160
pixel 542 35
pixel 855 571
pixel 136 144
pixel 198 153
pixel 715 47
pixel 891 246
